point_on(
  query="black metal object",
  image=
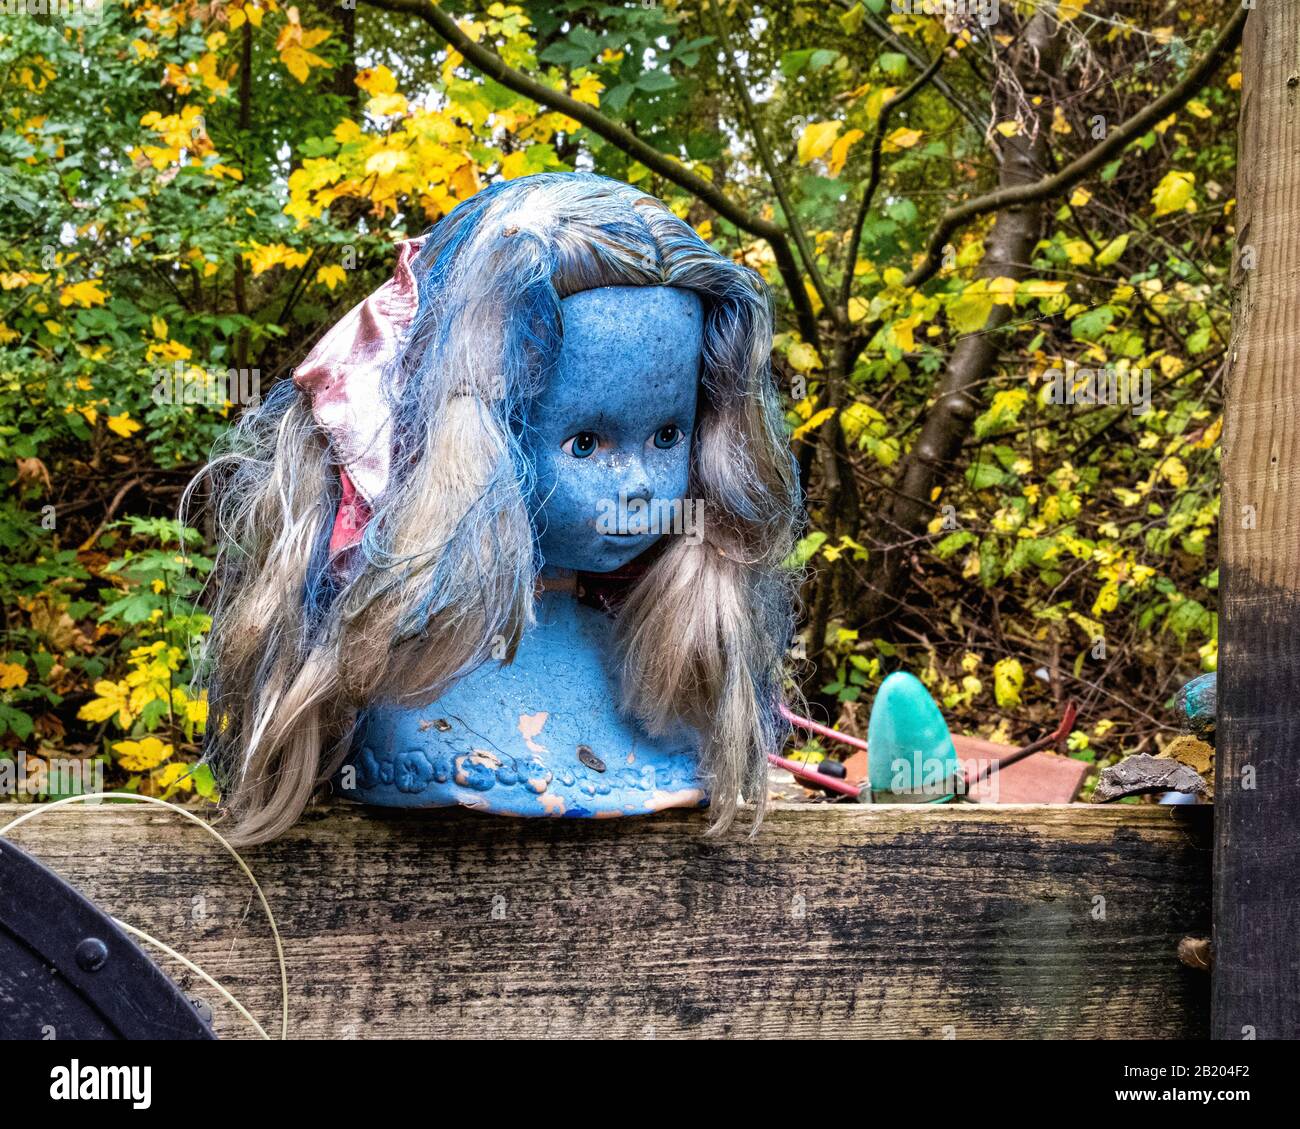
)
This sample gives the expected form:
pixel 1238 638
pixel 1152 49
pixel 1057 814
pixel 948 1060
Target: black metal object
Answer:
pixel 68 972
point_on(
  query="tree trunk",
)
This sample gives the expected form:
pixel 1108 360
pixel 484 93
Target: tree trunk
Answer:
pixel 933 459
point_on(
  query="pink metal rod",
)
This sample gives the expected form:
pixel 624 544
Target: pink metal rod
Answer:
pixel 824 730
pixel 803 772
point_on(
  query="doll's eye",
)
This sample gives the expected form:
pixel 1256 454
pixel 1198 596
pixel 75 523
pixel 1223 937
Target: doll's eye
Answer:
pixel 667 436
pixel 581 445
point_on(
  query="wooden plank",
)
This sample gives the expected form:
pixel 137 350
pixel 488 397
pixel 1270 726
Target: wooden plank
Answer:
pixel 1257 787
pixel 837 920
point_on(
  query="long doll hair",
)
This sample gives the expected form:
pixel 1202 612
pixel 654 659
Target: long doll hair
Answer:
pixel 447 568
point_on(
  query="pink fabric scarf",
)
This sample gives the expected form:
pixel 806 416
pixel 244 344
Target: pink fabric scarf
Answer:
pixel 342 376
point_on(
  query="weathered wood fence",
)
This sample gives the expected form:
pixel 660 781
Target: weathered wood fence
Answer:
pixel 922 922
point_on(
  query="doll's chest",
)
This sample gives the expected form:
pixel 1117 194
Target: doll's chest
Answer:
pixel 541 737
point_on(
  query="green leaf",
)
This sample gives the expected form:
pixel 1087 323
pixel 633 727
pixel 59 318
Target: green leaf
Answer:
pixel 1091 325
pixel 954 541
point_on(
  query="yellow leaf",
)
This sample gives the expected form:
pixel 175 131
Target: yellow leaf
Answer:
pixel 12 675
pixel 816 138
pixel 178 775
pixel 331 276
pixel 588 90
pixel 377 80
pixel 857 418
pixel 141 756
pixel 803 357
pixel 299 62
pixel 386 162
pixel 1008 128
pixel 384 105
pixel 196 710
pixel 1078 252
pixel 85 294
pixel 1003 290
pixel 122 425
pixel 815 422
pixel 1200 110
pixel 1107 599
pixel 1174 471
pixel 969 312
pixel 1080 197
pixel 1040 288
pixel 840 150
pixel 514 164
pixel 1008 679
pixel 904 331
pixel 159 327
pixel 1173 192
pixel 1234 81
pixel 1112 251
pixel 901 138
pixel 113 699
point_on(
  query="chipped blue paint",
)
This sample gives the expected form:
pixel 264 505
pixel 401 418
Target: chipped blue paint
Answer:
pixel 543 736
pixel 528 739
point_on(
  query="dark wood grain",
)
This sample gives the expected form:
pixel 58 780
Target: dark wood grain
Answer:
pixel 957 921
pixel 1257 786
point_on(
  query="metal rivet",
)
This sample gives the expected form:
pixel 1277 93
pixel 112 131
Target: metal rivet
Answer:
pixel 590 759
pixel 92 954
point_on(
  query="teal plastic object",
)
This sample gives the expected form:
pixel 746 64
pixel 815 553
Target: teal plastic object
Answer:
pixel 910 754
pixel 1198 703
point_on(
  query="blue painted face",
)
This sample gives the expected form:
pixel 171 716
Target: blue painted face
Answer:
pixel 611 432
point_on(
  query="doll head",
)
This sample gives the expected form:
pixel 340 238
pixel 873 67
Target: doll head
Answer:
pixel 580 378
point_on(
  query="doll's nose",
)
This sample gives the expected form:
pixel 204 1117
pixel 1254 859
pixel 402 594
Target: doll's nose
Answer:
pixel 636 483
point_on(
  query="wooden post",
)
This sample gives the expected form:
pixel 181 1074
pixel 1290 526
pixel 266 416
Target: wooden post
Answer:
pixel 1257 798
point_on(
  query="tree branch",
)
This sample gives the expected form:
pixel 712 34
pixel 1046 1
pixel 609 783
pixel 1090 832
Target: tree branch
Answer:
pixel 873 181
pixel 806 253
pixel 1116 141
pixel 492 65
pixel 885 34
